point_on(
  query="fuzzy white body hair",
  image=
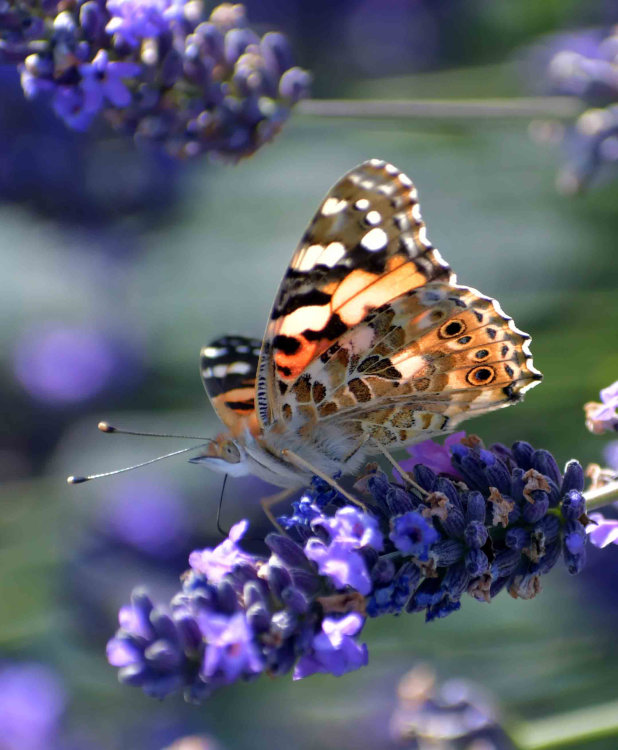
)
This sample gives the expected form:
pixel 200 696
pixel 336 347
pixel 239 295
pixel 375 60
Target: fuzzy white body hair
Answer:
pixel 328 450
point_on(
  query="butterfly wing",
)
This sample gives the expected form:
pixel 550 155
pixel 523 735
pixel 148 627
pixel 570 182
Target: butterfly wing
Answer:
pixel 371 335
pixel 228 367
pixel 365 246
pixel 436 356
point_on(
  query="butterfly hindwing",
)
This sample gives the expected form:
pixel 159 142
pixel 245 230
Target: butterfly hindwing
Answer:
pixel 365 246
pixel 438 355
pixel 228 367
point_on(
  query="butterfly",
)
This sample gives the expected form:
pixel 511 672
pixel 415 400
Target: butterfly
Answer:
pixel 371 345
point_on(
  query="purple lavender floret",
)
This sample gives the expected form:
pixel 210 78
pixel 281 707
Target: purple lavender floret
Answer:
pixel 159 70
pixel 583 65
pixel 302 607
pixel 412 535
pixel 334 650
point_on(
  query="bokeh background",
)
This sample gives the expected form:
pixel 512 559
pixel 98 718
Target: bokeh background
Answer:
pixel 118 265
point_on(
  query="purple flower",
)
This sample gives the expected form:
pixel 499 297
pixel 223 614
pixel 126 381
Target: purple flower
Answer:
pixel 215 563
pixel 230 650
pixel 349 530
pixel 413 535
pixel 134 20
pixel 603 417
pixel 350 526
pixel 610 454
pixel 238 615
pixel 334 649
pixel 602 531
pixel 148 515
pixel 434 455
pixel 76 106
pixel 166 71
pixel 64 363
pixel 342 564
pixel 152 648
pixel 104 80
pixel 32 701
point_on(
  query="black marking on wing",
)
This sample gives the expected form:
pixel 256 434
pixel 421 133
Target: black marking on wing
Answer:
pixel 228 363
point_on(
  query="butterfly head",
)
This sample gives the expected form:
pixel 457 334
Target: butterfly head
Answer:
pixel 224 454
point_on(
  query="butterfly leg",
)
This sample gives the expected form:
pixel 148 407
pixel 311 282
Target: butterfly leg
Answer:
pixel 295 459
pixel 268 502
pixel 404 474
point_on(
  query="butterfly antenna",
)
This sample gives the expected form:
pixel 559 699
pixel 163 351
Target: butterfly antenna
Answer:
pixel 109 429
pixel 81 480
pixel 220 529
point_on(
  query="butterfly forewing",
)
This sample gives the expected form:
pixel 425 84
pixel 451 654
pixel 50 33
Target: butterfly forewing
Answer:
pixel 365 246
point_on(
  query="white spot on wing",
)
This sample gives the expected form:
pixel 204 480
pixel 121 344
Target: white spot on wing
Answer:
pixel 373 218
pixel 375 240
pixel 332 254
pixel 212 352
pixel 220 371
pixel 239 368
pixel 362 204
pixel 309 258
pixel 405 180
pixel 391 169
pixel 439 259
pixel 333 206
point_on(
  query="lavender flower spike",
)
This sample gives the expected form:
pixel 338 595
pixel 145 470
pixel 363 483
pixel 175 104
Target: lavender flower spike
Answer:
pixel 301 609
pixel 163 71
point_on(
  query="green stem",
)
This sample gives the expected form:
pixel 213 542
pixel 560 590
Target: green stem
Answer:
pixel 562 107
pixel 569 730
pixel 605 495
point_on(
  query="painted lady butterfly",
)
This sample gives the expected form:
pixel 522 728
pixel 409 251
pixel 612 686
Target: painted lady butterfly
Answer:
pixel 371 345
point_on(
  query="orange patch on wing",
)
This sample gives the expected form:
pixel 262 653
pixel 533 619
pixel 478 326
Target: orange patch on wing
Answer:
pixel 392 284
pixel 239 394
pixel 356 282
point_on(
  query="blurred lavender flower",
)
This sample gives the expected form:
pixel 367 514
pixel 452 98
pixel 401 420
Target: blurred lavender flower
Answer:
pixel 603 417
pixel 303 608
pixel 585 65
pixel 63 364
pixel 148 515
pixel 454 715
pixel 77 178
pixel 32 701
pixel 602 531
pixel 161 70
pixel 194 742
